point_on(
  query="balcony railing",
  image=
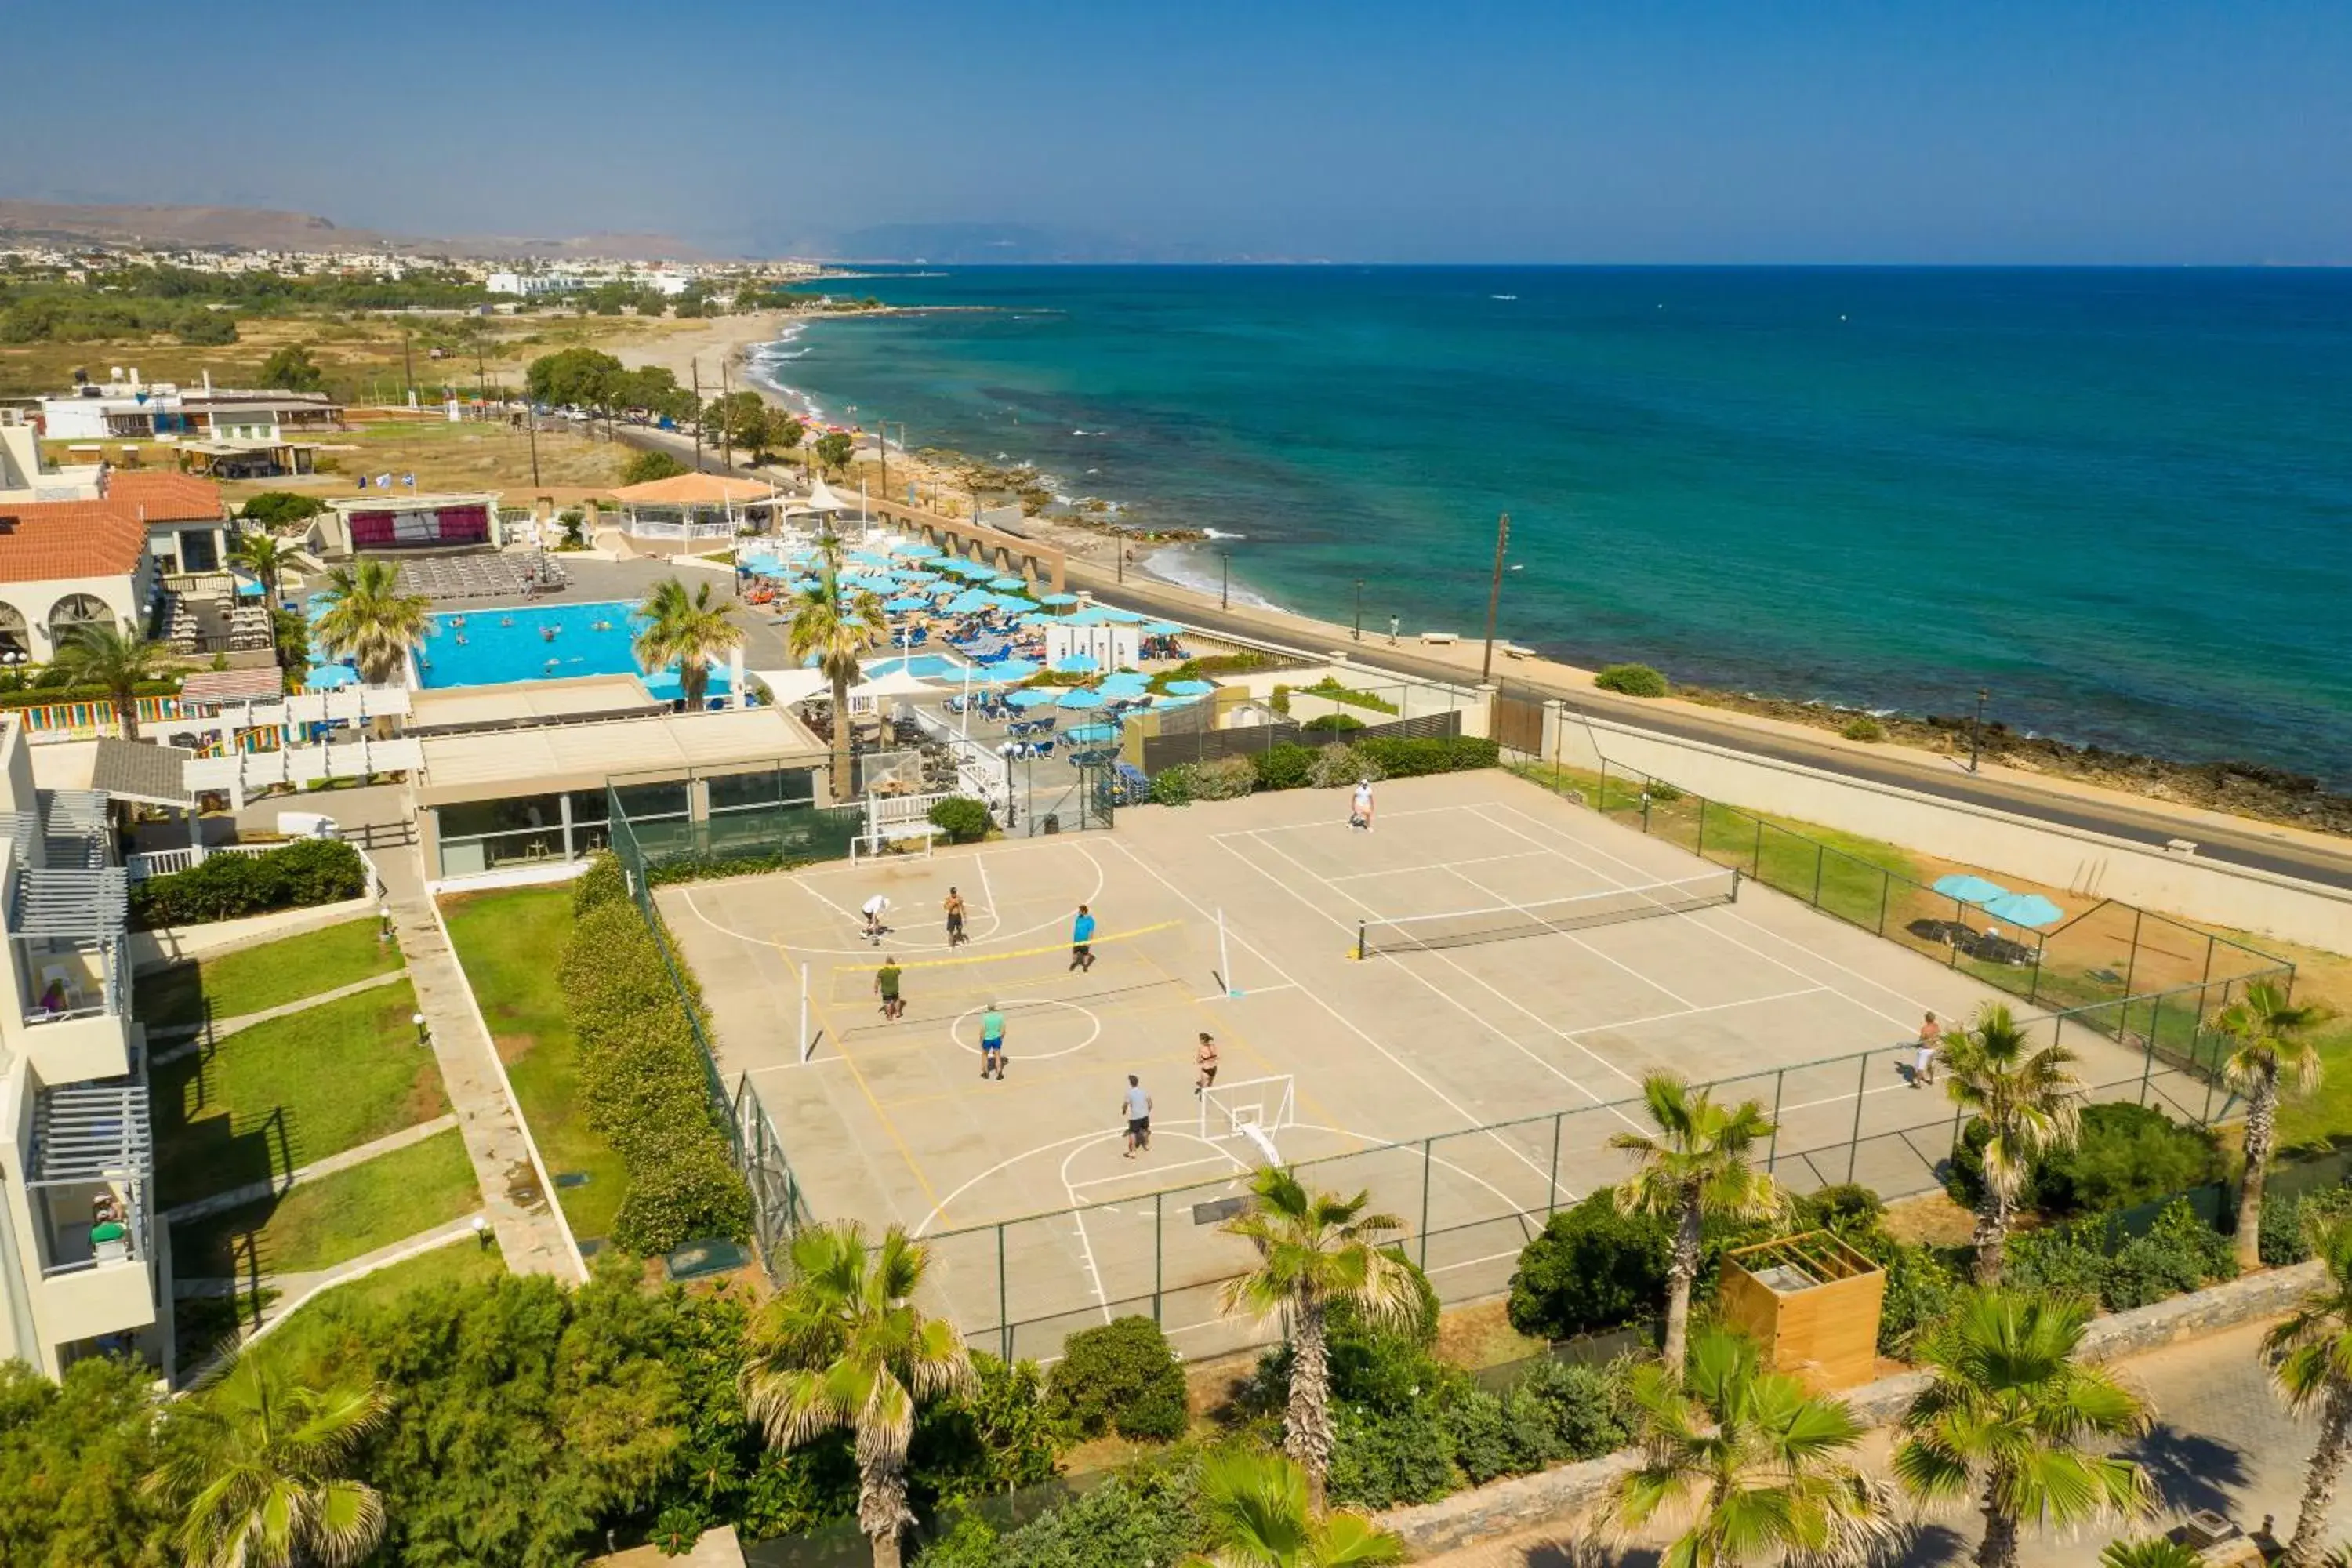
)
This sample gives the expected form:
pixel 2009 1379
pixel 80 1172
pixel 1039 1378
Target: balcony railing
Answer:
pixel 93 1155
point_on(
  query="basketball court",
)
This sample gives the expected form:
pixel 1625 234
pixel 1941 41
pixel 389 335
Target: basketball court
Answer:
pixel 1453 1010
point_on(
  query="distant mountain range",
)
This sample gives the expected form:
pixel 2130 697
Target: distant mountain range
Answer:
pixel 263 228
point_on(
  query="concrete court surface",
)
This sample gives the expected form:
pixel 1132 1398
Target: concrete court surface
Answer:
pixel 1380 1068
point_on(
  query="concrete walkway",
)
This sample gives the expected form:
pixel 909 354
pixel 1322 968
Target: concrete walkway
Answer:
pixel 530 1232
pixel 193 1035
pixel 254 1192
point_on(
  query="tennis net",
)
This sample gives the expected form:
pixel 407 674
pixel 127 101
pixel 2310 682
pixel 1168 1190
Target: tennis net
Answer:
pixel 1462 928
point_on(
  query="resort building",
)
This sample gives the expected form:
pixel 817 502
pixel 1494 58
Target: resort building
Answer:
pixel 65 564
pixel 25 475
pixel 187 523
pixel 384 520
pixel 82 1263
pixel 531 285
pixel 125 408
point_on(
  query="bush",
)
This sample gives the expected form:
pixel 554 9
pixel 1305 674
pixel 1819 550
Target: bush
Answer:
pixel 1583 1405
pixel 1335 723
pixel 308 872
pixel 1382 1459
pixel 281 509
pixel 1148 1512
pixel 1339 765
pixel 644 467
pixel 2291 1226
pixel 1864 727
pixel 1283 766
pixel 1402 758
pixel 1330 687
pixel 1224 778
pixel 1122 1377
pixel 961 818
pixel 2179 1253
pixel 1847 1207
pixel 1176 786
pixel 1593 1268
pixel 2127 1154
pixel 1632 680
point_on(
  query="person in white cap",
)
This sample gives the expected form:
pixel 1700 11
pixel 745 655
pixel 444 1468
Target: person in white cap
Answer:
pixel 1361 814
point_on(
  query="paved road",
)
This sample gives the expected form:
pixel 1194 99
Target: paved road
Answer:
pixel 2251 846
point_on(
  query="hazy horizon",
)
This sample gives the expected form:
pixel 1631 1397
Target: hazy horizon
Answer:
pixel 1696 133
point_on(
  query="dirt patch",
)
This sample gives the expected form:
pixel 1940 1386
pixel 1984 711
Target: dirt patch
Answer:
pixel 512 1048
pixel 1481 1335
pixel 1932 1219
pixel 427 1099
pixel 523 1186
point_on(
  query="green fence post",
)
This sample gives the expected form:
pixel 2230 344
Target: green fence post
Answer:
pixel 2131 959
pixel 1853 1144
pixel 1158 1246
pixel 1700 851
pixel 1552 1193
pixel 1004 1311
pixel 1956 1129
pixel 2034 981
pixel 2208 978
pixel 1885 888
pixel 2147 1048
pixel 1821 853
pixel 1426 1156
pixel 1757 869
pixel 1779 1078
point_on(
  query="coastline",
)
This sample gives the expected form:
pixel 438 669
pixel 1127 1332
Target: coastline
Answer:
pixel 2241 791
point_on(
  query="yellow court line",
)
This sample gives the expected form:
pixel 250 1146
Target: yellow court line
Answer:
pixel 881 1115
pixel 1017 952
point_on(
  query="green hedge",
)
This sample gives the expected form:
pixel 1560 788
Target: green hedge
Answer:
pixel 2127 1154
pixel 224 887
pixel 644 1079
pixel 961 818
pixel 1632 680
pixel 2179 1253
pixel 1121 1376
pixel 1290 765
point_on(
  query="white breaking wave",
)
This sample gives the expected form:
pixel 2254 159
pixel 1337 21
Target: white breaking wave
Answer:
pixel 1220 534
pixel 1185 569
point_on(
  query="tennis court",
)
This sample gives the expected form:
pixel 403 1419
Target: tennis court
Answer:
pixel 1453 1010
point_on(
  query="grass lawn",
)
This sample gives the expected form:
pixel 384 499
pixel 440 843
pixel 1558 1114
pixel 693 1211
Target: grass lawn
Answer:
pixel 271 1099
pixel 320 1223
pixel 510 944
pixel 270 975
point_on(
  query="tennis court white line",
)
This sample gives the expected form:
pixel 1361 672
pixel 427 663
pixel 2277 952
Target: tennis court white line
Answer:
pixel 1658 986
pixel 1435 866
pixel 1434 989
pixel 1704 925
pixel 1690 1012
pixel 1469 1123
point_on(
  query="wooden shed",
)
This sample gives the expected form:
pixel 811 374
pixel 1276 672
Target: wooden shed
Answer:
pixel 1811 1302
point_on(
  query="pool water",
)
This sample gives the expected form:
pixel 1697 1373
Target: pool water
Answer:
pixel 543 642
pixel 922 665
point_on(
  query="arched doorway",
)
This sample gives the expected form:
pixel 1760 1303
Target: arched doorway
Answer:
pixel 74 611
pixel 15 636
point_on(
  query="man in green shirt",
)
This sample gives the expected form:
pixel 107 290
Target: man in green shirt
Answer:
pixel 886 985
pixel 991 1044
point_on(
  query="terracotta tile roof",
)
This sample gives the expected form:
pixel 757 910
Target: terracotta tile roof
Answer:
pixel 695 489
pixel 42 541
pixel 166 498
pixel 210 686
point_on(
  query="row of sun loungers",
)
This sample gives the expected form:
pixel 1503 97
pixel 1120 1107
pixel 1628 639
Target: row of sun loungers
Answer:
pixel 444 577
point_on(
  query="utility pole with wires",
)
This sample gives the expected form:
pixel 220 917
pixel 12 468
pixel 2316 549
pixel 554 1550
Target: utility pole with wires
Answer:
pixel 1494 594
pixel 408 364
pixel 534 405
pixel 694 368
pixel 726 435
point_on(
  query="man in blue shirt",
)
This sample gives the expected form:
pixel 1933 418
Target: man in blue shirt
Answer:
pixel 1082 936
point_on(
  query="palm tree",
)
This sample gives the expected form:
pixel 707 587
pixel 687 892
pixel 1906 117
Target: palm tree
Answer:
pixel 104 654
pixel 1758 1463
pixel 2009 1414
pixel 843 1346
pixel 1698 1165
pixel 256 1477
pixel 2310 1354
pixel 1259 1517
pixel 1315 1249
pixel 2266 1032
pixel 835 626
pixel 2029 1103
pixel 689 632
pixel 370 620
pixel 262 553
pixel 2149 1552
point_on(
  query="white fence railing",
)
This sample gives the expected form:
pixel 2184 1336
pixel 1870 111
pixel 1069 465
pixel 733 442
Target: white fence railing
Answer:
pixel 146 863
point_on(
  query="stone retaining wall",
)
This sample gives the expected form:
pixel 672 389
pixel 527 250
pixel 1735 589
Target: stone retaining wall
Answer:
pixel 1561 1494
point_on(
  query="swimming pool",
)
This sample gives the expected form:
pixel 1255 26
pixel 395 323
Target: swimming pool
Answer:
pixel 921 666
pixel 540 642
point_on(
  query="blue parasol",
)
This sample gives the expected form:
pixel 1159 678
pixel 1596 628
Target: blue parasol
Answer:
pixel 1004 672
pixel 1058 600
pixel 1009 584
pixel 1075 664
pixel 1126 683
pixel 918 551
pixel 328 676
pixel 1089 734
pixel 1113 613
pixel 1967 888
pixel 1190 687
pixel 906 602
pixel 1079 696
pixel 969 602
pixel 1031 697
pixel 1160 628
pixel 2029 909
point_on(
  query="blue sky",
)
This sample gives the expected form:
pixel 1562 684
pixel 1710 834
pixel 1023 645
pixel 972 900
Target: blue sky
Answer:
pixel 2154 131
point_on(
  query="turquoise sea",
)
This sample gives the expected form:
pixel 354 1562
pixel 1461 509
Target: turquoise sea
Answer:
pixel 2121 500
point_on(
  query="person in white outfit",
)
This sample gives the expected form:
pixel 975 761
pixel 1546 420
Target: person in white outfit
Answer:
pixel 873 910
pixel 1360 815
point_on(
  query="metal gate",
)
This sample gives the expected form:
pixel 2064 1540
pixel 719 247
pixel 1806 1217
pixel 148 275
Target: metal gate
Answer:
pixel 1059 797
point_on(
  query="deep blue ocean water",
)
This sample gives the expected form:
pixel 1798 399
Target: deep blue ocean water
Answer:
pixel 2122 501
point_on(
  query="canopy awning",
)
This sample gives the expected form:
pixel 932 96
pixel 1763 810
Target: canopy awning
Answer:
pixel 793 685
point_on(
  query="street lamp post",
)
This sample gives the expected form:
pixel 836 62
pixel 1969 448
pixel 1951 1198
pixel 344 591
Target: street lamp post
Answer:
pixel 1360 609
pixel 1976 731
pixel 1224 580
pixel 1494 594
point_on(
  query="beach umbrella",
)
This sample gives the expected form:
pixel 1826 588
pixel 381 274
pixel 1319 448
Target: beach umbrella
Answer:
pixel 329 676
pixel 1012 602
pixel 1058 600
pixel 1160 628
pixel 1126 683
pixel 1032 697
pixel 906 602
pixel 1123 617
pixel 2029 909
pixel 1009 584
pixel 1004 672
pixel 913 576
pixel 1034 620
pixel 963 568
pixel 1091 615
pixel 1190 687
pixel 1079 696
pixel 1967 890
pixel 919 552
pixel 1164 703
pixel 869 558
pixel 972 601
pixel 1075 664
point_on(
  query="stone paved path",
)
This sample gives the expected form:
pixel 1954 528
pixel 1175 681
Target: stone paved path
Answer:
pixel 253 1192
pixel 2222 1441
pixel 531 1233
